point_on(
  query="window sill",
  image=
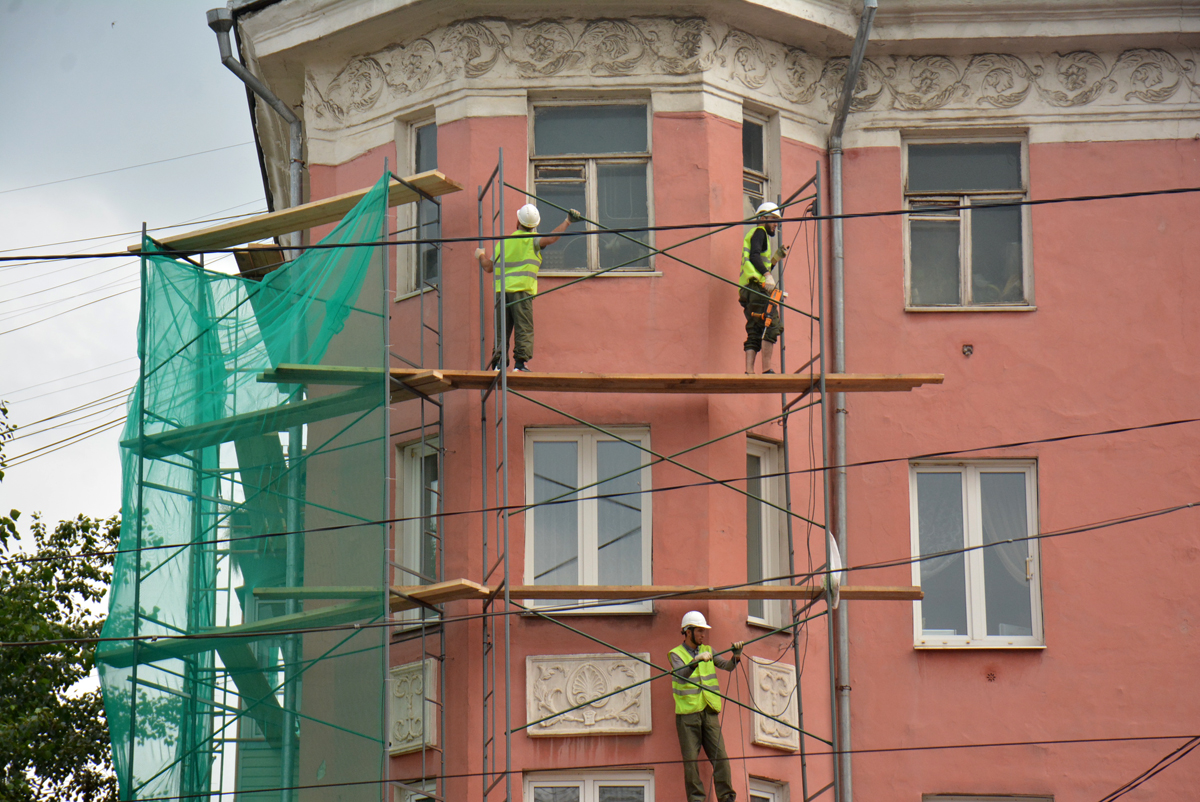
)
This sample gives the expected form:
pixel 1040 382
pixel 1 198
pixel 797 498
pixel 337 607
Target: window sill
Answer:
pixel 993 645
pixel 597 610
pixel 412 294
pixel 979 308
pixel 761 624
pixel 593 274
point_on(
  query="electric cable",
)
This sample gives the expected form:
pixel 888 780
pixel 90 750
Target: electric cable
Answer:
pixel 73 386
pixel 67 311
pixel 630 230
pixel 1164 763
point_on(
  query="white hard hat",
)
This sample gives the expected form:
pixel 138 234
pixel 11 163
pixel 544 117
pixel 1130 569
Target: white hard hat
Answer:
pixel 529 216
pixel 694 618
pixel 767 208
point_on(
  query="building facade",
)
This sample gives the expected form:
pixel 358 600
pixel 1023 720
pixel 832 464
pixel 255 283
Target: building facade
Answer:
pixel 1061 652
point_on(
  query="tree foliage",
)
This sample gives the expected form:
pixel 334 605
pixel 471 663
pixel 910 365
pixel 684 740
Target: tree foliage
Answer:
pixel 53 736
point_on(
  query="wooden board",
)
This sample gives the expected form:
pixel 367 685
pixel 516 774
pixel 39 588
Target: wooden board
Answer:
pixel 465 590
pixel 283 594
pixel 304 216
pixel 729 383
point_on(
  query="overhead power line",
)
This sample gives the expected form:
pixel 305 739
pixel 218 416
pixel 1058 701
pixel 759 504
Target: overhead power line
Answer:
pixel 121 169
pixel 632 230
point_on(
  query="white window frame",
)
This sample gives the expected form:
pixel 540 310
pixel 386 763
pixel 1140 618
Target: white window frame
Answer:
pixel 774 542
pixel 977 637
pixel 589 163
pixel 408 506
pixel 986 798
pixel 588 520
pixel 408 261
pixel 417 791
pixel 769 790
pixel 965 303
pixel 588 782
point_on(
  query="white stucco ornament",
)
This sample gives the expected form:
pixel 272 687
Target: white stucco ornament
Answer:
pixel 596 694
pixel 408 729
pixel 772 686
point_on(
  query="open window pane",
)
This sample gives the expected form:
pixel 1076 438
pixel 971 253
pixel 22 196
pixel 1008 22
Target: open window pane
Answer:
pixel 996 276
pixel 940 528
pixel 555 472
pixel 559 130
pixel 619 517
pixel 934 250
pixel 429 523
pixel 622 199
pixel 1005 567
pixel 425 158
pixel 569 253
pixel 963 167
pixel 754 529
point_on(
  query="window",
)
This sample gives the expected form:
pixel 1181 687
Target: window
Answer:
pixel 599 532
pixel 970 256
pixel 989 596
pixel 754 165
pixel 596 159
pixel 590 787
pixel 420 531
pixel 421 267
pixel 766 546
pixel 976 798
pixel 414 791
pixel 767 791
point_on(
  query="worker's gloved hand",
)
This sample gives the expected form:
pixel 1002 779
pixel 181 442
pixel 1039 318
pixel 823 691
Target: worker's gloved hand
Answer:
pixel 478 253
pixel 737 648
pixel 777 257
pixel 704 655
pixel 574 216
pixel 768 282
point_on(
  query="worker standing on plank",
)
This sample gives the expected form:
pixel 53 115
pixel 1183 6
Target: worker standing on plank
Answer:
pixel 756 285
pixel 698 707
pixel 522 258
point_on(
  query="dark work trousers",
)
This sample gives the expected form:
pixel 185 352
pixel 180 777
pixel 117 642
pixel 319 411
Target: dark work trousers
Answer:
pixel 520 318
pixel 704 729
pixel 754 305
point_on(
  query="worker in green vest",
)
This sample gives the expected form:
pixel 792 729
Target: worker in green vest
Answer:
pixel 698 707
pixel 756 283
pixel 522 258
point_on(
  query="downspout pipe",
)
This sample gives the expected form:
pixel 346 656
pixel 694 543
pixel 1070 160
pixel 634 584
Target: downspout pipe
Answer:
pixel 837 304
pixel 221 21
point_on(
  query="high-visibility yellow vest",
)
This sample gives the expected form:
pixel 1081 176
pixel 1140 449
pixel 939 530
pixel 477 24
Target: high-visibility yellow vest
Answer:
pixel 521 262
pixel 690 697
pixel 749 271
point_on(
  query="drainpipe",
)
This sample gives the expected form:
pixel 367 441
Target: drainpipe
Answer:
pixel 221 20
pixel 837 313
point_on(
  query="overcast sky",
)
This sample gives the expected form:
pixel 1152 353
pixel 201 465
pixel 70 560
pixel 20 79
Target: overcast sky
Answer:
pixel 91 86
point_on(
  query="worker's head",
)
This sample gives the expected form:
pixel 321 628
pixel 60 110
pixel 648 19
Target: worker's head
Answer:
pixel 768 215
pixel 695 628
pixel 528 217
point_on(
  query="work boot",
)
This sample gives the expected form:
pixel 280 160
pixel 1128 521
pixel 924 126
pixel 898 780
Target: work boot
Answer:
pixel 521 367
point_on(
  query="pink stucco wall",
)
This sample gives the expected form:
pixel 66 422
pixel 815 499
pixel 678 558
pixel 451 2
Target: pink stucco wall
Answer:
pixel 1113 343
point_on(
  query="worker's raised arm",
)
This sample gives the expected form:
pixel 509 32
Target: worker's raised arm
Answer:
pixel 551 238
pixel 485 261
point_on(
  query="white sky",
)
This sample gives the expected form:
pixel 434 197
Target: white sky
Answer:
pixel 88 86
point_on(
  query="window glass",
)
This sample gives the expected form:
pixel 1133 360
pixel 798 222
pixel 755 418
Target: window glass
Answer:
pixel 622 197
pixel 621 793
pixel 1005 565
pixel 752 146
pixel 940 528
pixel 429 523
pixel 545 794
pixel 619 517
pixel 428 226
pixel 754 529
pixel 560 130
pixel 556 471
pixel 564 186
pixel 996 255
pixel 964 167
pixel 934 259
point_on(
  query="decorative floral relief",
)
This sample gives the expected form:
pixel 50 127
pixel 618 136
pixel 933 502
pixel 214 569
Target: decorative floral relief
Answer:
pixel 587 694
pixel 500 50
pixel 408 728
pixel 773 686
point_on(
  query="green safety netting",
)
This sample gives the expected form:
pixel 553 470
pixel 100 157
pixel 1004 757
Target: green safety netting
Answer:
pixel 237 451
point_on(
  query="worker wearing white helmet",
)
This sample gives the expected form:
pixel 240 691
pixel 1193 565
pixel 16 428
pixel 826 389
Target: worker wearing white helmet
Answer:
pixel 522 258
pixel 756 285
pixel 698 707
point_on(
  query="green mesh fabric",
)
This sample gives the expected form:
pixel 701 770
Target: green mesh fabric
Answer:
pixel 231 472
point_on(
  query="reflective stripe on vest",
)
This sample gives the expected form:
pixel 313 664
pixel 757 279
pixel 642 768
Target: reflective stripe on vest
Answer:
pixel 521 262
pixel 697 691
pixel 749 271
